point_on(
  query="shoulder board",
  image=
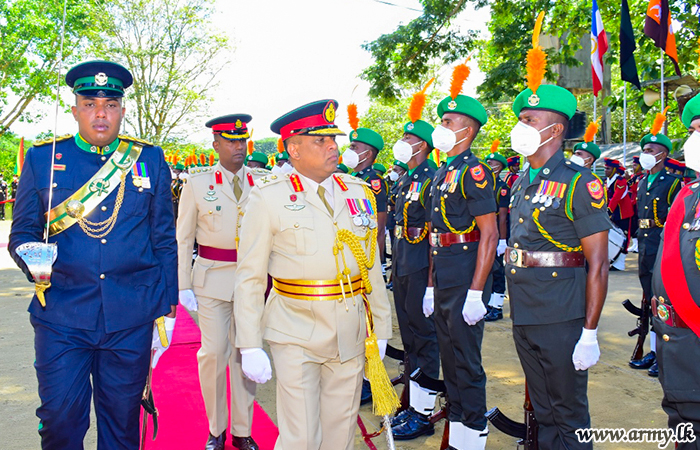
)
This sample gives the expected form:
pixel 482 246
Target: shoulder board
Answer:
pixel 271 179
pixel 194 172
pixel 136 140
pixel 41 142
pixel 260 172
pixel 351 179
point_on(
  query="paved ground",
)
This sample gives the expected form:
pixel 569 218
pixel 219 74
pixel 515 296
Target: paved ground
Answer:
pixel 619 396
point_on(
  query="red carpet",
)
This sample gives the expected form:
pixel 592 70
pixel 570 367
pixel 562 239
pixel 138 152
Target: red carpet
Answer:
pixel 182 422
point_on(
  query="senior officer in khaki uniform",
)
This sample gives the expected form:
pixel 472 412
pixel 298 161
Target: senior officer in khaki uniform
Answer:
pixel 310 229
pixel 212 204
pixel 559 222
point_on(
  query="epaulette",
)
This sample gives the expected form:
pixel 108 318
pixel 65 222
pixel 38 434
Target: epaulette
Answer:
pixel 40 142
pixel 270 179
pixel 196 171
pixel 136 140
pixel 260 172
pixel 351 179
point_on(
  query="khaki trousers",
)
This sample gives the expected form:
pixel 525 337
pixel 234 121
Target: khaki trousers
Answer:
pixel 318 399
pixel 218 351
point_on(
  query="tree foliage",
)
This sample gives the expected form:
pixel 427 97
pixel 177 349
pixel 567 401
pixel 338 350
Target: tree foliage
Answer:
pixel 174 54
pixel 30 40
pixel 405 56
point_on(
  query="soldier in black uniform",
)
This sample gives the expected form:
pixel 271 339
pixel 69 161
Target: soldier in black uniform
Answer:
pixel 559 221
pixel 498 162
pixel 413 286
pixel 396 173
pixel 655 194
pixel 13 191
pixel 676 284
pixel 463 238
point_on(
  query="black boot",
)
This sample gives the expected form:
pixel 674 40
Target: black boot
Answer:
pixel 654 370
pixel 366 396
pixel 646 362
pixel 414 426
pixel 494 314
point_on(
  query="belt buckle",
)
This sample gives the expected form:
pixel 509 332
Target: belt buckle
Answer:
pixel 644 223
pixel 435 240
pixel 515 257
pixel 398 231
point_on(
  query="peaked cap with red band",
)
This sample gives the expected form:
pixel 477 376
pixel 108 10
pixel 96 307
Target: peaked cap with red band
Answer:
pixel 614 163
pixel 514 161
pixel 231 127
pixel 315 119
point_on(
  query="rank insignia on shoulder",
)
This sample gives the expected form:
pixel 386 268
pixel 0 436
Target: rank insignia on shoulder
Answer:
pixel 482 184
pixel 341 183
pixel 595 189
pixel 598 205
pixel 478 173
pixel 504 192
pixel 376 185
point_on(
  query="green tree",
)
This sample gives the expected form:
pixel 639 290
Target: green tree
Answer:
pixel 266 145
pixel 175 55
pixel 30 39
pixel 9 145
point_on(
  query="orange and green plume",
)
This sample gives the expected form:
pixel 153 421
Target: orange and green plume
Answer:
pixel 415 111
pixel 591 131
pixel 459 76
pixel 658 122
pixel 280 145
pixel 536 58
pixel 353 120
pixel 494 145
pixel 211 159
pixel 251 147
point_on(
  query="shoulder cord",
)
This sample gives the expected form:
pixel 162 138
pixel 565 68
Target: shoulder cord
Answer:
pixel 657 222
pixel 99 230
pixel 447 222
pixel 697 253
pixel 546 235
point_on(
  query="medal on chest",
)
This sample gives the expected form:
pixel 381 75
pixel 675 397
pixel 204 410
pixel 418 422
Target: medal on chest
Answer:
pixel 449 184
pixel 414 190
pixel 361 212
pixel 695 226
pixel 139 175
pixel 211 194
pixel 549 193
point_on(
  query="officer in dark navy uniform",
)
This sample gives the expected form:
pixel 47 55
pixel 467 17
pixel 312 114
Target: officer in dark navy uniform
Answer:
pixel 655 194
pixel 463 238
pixel 498 163
pixel 413 284
pixel 559 222
pixel 676 305
pixel 116 269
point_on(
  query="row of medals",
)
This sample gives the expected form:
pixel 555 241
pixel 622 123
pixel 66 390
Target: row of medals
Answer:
pixel 364 220
pixel 546 200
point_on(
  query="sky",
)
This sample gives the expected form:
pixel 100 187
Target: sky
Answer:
pixel 289 53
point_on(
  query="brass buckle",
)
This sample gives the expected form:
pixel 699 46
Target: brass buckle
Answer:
pixel 398 231
pixel 645 223
pixel 515 257
pixel 435 240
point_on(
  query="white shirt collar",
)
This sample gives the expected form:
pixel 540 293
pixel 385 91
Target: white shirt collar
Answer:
pixel 313 187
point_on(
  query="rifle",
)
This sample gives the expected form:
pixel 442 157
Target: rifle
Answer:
pixel 525 432
pixel 643 316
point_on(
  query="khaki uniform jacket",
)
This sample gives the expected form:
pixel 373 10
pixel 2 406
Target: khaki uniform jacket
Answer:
pixel 210 216
pixel 291 235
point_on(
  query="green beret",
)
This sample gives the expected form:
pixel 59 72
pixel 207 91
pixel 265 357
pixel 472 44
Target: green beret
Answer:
pixel 257 157
pixel 284 156
pixel 589 147
pixel 691 111
pixel 404 166
pixel 367 136
pixel 463 104
pixel 379 168
pixel 268 167
pixel 433 165
pixel 660 139
pixel 179 166
pixel 422 129
pixel 549 98
pixel 344 168
pixel 497 157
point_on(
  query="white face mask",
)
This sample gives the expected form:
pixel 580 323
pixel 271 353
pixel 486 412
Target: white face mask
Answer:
pixel 445 139
pixel 691 150
pixel 403 151
pixel 577 160
pixel 647 161
pixel 525 139
pixel 173 175
pixel 182 175
pixel 393 176
pixel 352 159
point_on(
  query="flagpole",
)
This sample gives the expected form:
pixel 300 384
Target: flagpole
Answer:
pixel 662 80
pixel 595 112
pixel 624 125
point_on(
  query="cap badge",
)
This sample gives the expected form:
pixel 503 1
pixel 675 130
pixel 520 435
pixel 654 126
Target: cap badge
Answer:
pixel 238 123
pixel 585 145
pixel 533 100
pixel 452 105
pixel 653 139
pixel 354 134
pixel 101 79
pixel 409 127
pixel 329 112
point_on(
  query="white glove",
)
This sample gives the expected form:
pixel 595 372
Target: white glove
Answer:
pixel 381 343
pixel 256 365
pixel 586 352
pixel 474 309
pixel 501 249
pixel 157 346
pixel 429 301
pixel 188 300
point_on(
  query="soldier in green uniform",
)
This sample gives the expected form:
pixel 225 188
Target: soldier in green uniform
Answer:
pixel 655 194
pixel 396 173
pixel 463 238
pixel 676 305
pixel 559 222
pixel 498 163
pixel 412 281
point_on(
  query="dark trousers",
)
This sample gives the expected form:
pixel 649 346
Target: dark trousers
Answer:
pixel 65 360
pixel 558 391
pixel 460 352
pixel 499 276
pixel 646 270
pixel 417 331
